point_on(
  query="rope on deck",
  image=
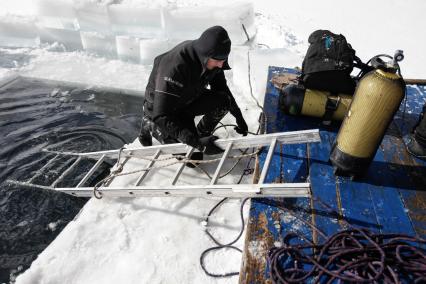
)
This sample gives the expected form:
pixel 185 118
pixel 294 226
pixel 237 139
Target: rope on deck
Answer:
pixel 353 255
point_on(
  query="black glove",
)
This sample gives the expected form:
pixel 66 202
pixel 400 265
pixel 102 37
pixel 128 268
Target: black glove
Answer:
pixel 208 146
pixel 241 126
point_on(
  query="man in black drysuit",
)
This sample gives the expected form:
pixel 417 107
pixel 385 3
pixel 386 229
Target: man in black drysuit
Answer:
pixel 417 145
pixel 177 91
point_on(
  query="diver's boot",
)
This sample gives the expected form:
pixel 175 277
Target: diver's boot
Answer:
pixel 417 147
pixel 196 156
pixel 145 137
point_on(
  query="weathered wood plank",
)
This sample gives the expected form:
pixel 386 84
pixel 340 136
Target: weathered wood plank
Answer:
pixel 268 219
pixel 388 205
pixel 323 187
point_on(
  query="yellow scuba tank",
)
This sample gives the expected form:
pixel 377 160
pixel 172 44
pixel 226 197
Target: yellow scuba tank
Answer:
pixel 296 100
pixel 376 100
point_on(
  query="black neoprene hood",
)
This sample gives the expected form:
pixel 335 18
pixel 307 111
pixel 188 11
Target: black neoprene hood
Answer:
pixel 213 43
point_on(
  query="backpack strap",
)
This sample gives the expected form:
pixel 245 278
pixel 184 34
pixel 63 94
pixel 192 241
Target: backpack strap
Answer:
pixel 333 101
pixel 364 67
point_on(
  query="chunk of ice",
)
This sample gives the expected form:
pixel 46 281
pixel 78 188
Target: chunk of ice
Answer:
pixel 93 17
pixel 69 38
pixel 55 8
pixel 189 22
pixel 57 14
pixel 137 21
pixel 98 43
pixel 238 19
pixel 18 32
pixel 150 48
pixel 128 48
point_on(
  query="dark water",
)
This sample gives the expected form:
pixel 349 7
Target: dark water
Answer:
pixel 35 115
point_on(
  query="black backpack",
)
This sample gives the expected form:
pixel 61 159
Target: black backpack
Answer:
pixel 328 63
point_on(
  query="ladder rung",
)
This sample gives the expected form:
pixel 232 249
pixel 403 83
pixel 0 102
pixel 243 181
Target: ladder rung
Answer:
pixel 61 177
pixel 221 163
pixel 91 171
pixel 151 163
pixel 180 169
pixel 40 171
pixel 268 160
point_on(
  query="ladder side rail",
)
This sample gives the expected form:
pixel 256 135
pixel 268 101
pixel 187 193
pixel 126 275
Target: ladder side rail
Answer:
pixel 293 137
pixel 91 171
pixel 61 177
pixel 32 185
pixel 267 161
pixel 145 173
pixel 221 163
pixel 236 190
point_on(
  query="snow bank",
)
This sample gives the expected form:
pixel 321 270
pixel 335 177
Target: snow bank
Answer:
pixel 396 25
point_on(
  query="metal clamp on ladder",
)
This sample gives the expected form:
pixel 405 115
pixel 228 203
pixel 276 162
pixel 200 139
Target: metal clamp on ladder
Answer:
pixel 260 189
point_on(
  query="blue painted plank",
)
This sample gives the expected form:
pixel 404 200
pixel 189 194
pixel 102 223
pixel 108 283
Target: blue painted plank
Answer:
pixel 323 185
pixel 400 177
pixel 389 207
pixel 412 179
pixel 357 204
pixel 294 168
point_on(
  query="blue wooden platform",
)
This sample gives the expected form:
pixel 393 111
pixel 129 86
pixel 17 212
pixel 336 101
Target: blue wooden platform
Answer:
pixel 390 198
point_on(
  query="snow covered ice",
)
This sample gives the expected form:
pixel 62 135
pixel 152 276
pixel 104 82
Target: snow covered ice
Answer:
pixel 159 240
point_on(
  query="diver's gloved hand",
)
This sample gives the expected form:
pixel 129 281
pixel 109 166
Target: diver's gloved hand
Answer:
pixel 208 146
pixel 241 126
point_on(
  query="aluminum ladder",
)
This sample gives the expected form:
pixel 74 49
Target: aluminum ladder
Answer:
pixel 259 189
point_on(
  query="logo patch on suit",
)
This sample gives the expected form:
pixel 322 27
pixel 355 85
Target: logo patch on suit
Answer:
pixel 176 83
